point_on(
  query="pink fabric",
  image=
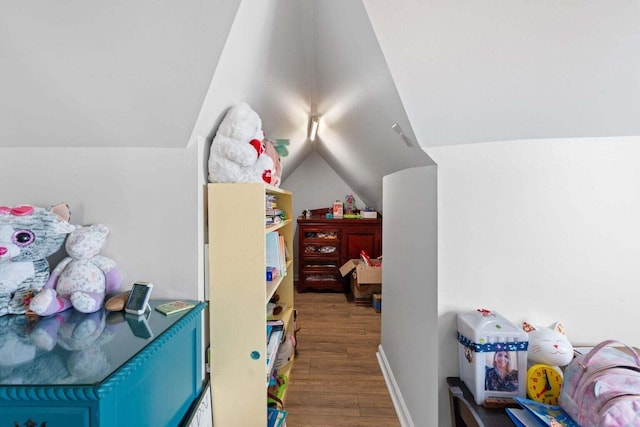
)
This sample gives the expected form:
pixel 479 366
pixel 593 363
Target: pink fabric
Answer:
pixel 17 211
pixel 602 388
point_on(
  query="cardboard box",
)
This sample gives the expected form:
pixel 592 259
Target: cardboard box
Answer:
pixel 481 335
pixel 363 293
pixel 368 214
pixel 362 272
pixel 365 280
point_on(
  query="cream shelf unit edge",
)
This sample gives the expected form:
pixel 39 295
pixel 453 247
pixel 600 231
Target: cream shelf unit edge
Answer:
pixel 239 293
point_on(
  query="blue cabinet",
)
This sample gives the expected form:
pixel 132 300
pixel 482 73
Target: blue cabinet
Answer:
pixel 100 369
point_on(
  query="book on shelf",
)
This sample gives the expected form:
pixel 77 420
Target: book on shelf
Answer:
pixel 173 307
pixel 272 273
pixel 536 414
pixel 275 248
pixel 270 201
pixel 272 220
pixel 271 324
pixel 275 331
pixel 276 417
pixel 282 253
pixel 272 248
pixel 274 212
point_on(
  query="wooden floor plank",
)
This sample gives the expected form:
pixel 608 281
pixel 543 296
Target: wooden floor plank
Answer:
pixel 336 380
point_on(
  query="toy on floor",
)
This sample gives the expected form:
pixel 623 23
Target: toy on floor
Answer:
pixel 82 279
pixel 28 235
pixel 238 150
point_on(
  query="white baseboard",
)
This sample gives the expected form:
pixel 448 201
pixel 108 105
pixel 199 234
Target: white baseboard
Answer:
pixel 396 397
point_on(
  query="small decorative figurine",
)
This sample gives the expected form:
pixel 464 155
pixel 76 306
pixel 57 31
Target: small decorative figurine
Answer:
pixel 549 349
pixel 350 204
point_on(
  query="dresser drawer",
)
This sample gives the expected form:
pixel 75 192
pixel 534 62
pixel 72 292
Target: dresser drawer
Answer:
pixel 321 249
pixel 320 281
pixel 315 264
pixel 321 234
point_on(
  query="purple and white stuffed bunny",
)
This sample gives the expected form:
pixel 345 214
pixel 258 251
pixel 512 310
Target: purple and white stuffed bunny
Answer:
pixel 81 280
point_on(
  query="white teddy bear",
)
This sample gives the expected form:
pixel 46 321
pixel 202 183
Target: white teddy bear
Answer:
pixel 238 149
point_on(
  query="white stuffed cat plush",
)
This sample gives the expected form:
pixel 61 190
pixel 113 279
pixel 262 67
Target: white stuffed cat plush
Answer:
pixel 548 345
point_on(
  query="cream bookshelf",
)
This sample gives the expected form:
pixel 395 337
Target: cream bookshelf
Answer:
pixel 238 293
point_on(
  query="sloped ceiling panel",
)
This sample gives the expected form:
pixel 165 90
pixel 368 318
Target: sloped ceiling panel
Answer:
pixel 116 73
pixel 358 102
pixel 502 70
pixel 265 64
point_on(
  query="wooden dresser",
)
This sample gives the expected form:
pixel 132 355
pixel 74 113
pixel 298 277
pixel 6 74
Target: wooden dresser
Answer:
pixel 124 370
pixel 325 244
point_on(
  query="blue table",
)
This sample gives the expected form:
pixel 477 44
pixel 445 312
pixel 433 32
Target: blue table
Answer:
pixel 100 369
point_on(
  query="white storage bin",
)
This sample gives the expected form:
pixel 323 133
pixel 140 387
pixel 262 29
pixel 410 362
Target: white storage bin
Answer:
pixel 492 355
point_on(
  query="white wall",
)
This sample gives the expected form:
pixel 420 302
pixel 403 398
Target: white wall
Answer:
pixel 539 230
pixel 409 346
pixel 315 185
pixel 148 197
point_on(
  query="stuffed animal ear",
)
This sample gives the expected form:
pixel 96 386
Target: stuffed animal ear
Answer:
pixel 61 210
pixel 558 328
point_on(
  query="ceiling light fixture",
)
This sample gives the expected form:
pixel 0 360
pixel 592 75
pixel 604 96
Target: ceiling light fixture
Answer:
pixel 313 128
pixel 404 137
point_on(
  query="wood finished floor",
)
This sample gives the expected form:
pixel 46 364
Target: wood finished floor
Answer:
pixel 336 380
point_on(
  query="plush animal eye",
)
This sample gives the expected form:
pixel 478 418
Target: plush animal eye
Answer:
pixel 23 237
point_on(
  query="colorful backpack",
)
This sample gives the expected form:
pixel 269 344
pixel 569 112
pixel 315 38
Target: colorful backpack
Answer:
pixel 602 387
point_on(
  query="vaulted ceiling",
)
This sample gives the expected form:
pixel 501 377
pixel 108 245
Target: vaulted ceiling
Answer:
pixel 156 73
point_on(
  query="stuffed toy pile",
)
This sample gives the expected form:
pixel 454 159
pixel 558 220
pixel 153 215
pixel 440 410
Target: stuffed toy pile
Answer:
pixel 239 152
pixel 82 279
pixel 28 235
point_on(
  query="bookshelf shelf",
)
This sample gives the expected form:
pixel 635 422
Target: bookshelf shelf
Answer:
pixel 239 293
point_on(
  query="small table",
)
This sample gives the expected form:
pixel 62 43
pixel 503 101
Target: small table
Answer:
pixel 466 412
